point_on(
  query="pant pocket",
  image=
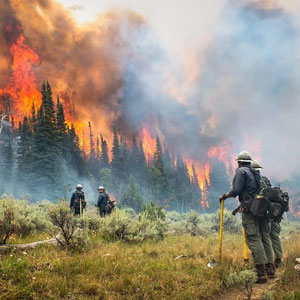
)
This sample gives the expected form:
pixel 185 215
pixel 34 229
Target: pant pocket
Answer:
pixel 250 229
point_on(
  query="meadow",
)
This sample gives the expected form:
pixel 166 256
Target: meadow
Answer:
pixel 151 255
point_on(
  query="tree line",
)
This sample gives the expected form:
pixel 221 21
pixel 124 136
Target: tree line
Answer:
pixel 41 158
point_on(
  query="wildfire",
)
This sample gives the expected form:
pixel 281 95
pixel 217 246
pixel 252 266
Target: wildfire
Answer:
pixel 223 153
pixel 148 144
pixel 22 89
pixel 23 92
pixel 203 175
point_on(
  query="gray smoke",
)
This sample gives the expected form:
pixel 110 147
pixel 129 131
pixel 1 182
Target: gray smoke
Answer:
pixel 248 85
pixel 115 71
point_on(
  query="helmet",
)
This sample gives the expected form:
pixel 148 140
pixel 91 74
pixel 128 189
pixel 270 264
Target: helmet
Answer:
pixel 100 187
pixel 244 156
pixel 78 186
pixel 255 164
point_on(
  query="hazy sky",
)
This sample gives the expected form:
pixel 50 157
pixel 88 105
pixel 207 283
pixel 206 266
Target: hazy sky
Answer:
pixel 181 26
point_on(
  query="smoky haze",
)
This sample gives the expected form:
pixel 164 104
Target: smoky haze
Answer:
pixel 239 89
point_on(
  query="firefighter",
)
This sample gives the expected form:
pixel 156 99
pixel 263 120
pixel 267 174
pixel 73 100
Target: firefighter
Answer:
pixel 274 225
pixel 78 200
pixel 111 204
pixel 102 201
pixel 265 225
pixel 245 186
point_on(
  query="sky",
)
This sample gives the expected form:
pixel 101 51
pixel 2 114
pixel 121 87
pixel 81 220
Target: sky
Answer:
pixel 181 26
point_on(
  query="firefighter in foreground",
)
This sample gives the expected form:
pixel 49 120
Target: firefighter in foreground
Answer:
pixel 246 187
pixel 274 225
pixel 265 223
pixel 78 201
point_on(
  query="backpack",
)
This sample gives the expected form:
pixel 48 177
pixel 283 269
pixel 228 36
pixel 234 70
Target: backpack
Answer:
pixel 268 202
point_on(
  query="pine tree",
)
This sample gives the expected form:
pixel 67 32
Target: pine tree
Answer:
pixel 142 158
pixel 196 189
pixel 92 144
pixel 182 185
pixel 158 156
pixel 25 155
pixel 124 161
pixel 132 196
pixel 134 158
pixel 77 161
pixel 116 155
pixel 93 163
pixel 219 183
pixel 61 128
pixel 168 163
pixel 45 147
pixel 104 154
pixel 6 155
pixel 97 151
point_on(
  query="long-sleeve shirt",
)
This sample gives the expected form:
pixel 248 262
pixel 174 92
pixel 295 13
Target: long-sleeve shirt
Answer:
pixel 102 201
pixel 76 197
pixel 244 183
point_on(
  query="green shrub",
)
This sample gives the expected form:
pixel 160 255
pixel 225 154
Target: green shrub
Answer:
pixel 90 223
pixel 244 278
pixel 153 212
pixel 116 226
pixel 70 235
pixel 20 218
pixel 194 223
pixel 268 296
pixel 143 229
pixel 121 226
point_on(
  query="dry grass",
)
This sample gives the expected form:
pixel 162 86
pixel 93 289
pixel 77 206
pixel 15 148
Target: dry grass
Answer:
pixel 125 271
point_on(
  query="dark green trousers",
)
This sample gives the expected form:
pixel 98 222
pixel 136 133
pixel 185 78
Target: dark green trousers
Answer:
pixel 275 238
pixel 258 238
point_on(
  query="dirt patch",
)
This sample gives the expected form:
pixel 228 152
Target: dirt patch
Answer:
pixel 258 291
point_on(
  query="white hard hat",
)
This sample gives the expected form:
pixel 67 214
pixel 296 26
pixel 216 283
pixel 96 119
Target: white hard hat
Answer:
pixel 100 187
pixel 78 186
pixel 244 156
pixel 255 164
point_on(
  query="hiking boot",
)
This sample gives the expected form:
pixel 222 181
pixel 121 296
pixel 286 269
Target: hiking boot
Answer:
pixel 261 279
pixel 270 270
pixel 261 275
pixel 277 263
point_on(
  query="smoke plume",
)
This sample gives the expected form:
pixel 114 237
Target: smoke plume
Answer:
pixel 240 92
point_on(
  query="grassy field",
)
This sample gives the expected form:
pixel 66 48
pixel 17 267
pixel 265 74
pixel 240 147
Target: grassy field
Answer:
pixel 116 270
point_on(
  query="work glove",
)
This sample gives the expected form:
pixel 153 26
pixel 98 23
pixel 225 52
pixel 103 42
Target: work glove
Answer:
pixel 223 197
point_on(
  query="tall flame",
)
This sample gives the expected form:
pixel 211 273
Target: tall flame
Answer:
pixel 223 153
pixel 149 143
pixel 22 88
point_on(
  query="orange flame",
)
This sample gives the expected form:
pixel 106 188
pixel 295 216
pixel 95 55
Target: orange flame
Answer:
pixel 223 153
pixel 203 175
pixel 149 144
pixel 22 87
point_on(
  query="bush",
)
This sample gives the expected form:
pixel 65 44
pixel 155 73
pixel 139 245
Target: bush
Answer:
pixel 244 278
pixel 194 223
pixel 121 226
pixel 19 217
pixel 116 225
pixel 90 223
pixel 143 229
pixel 153 212
pixel 70 236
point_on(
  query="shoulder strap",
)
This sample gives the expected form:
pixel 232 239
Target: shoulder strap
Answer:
pixel 258 180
